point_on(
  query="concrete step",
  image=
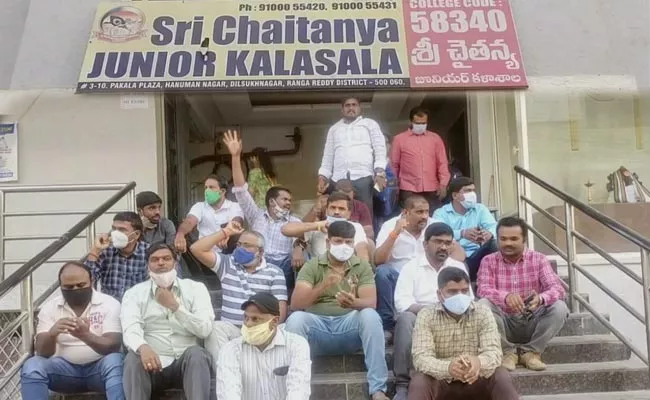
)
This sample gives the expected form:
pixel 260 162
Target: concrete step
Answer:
pixel 580 324
pixel 631 395
pixel 561 350
pixel 560 378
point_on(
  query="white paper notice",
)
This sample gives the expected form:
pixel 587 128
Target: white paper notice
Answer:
pixel 129 102
pixel 9 152
pixel 630 194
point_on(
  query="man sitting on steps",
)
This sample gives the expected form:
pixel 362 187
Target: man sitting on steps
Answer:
pixel 524 294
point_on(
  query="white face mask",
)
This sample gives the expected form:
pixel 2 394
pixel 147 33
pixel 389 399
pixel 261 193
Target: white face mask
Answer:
pixel 119 239
pixel 163 279
pixel 279 211
pixel 469 199
pixel 419 129
pixel 341 252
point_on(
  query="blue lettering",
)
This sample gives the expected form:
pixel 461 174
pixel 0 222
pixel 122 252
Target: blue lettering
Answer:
pixel 222 33
pixel 161 63
pixel 197 31
pixel 98 66
pixel 388 30
pixel 272 32
pixel 389 62
pixel 321 32
pixel 116 64
pixel 366 31
pixel 344 30
pixel 180 64
pixel 328 66
pixel 366 62
pixel 165 34
pixel 303 25
pixel 249 31
pixel 348 63
pixel 204 66
pixel 261 64
pixel 142 64
pixel 280 69
pixel 236 63
pixel 302 64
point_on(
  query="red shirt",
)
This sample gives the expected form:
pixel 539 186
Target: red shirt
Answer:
pixel 360 213
pixel 420 161
pixel 532 273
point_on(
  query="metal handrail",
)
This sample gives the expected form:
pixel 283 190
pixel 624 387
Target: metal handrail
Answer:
pixel 30 266
pixel 570 205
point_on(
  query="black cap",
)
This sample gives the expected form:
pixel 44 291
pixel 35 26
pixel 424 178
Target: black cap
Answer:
pixel 144 199
pixel 265 301
pixel 438 229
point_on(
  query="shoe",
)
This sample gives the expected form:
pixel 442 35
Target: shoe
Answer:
pixel 533 361
pixel 388 337
pixel 510 361
pixel 401 392
pixel 380 396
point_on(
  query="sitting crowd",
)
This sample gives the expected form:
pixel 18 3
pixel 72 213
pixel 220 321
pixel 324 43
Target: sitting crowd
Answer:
pixel 127 324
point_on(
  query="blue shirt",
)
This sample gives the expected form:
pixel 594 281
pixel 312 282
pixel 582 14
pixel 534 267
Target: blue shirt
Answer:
pixel 479 216
pixel 117 273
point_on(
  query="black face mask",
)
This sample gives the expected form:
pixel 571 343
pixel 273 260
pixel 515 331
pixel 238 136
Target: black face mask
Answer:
pixel 77 297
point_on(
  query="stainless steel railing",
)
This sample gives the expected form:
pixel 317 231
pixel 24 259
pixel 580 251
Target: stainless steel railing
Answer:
pixel 571 204
pixel 17 327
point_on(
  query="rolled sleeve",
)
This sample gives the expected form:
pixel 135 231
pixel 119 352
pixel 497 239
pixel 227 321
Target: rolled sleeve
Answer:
pixel 199 318
pixel 46 317
pixel 132 321
pixel 112 317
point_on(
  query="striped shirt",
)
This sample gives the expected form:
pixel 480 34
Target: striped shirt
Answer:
pixel 277 246
pixel 238 285
pixel 245 372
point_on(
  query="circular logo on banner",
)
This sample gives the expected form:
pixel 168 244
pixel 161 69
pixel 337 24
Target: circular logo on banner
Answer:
pixel 121 24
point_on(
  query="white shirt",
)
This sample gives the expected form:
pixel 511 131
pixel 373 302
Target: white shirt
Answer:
pixel 418 282
pixel 358 147
pixel 317 240
pixel 406 247
pixel 103 314
pixel 145 321
pixel 210 220
pixel 246 373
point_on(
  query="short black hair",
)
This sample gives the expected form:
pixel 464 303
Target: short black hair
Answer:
pixel 76 264
pixel 438 229
pixel 147 198
pixel 159 246
pixel 419 111
pixel 221 180
pixel 459 183
pixel 343 100
pixel 514 221
pixel 342 229
pixel 449 274
pixel 273 193
pixel 339 196
pixel 412 200
pixel 130 217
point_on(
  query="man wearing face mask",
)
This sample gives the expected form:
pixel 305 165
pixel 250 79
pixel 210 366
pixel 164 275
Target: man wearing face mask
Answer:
pixel 280 250
pixel 77 342
pixel 209 215
pixel 267 362
pixel 164 320
pixel 118 260
pixel 473 224
pixel 337 295
pixel 419 159
pixel 156 227
pixel 417 287
pixel 456 347
pixel 315 233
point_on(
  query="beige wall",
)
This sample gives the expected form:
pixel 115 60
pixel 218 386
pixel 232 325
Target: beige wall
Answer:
pixel 65 138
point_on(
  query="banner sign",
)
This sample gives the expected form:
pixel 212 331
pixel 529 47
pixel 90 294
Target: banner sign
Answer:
pixel 8 152
pixel 290 44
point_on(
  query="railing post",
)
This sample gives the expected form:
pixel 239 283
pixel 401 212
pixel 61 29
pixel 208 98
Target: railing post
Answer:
pixel 130 201
pixel 521 205
pixel 2 235
pixel 90 236
pixel 27 305
pixel 569 218
pixel 645 275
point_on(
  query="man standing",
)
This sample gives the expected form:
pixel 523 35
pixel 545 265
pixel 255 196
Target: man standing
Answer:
pixel 156 228
pixel 456 349
pixel 473 224
pixel 280 250
pixel 337 209
pixel 209 215
pixel 525 295
pixel 77 342
pixel 163 321
pixel 267 362
pixel 338 296
pixel 400 240
pixel 355 149
pixel 419 159
pixel 118 260
pixel 417 287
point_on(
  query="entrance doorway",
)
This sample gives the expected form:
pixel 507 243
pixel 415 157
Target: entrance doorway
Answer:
pixel 292 127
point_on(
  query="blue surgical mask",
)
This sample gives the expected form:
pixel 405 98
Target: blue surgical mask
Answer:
pixel 243 257
pixel 331 219
pixel 469 200
pixel 457 304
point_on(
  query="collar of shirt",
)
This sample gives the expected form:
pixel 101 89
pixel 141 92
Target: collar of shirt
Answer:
pixel 278 340
pixel 175 288
pixel 224 206
pixel 426 133
pixel 260 267
pixel 356 120
pixel 270 219
pixel 449 208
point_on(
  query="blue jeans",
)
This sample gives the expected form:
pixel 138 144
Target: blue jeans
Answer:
pixel 346 334
pixel 386 281
pixel 40 374
pixel 284 263
pixel 474 261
